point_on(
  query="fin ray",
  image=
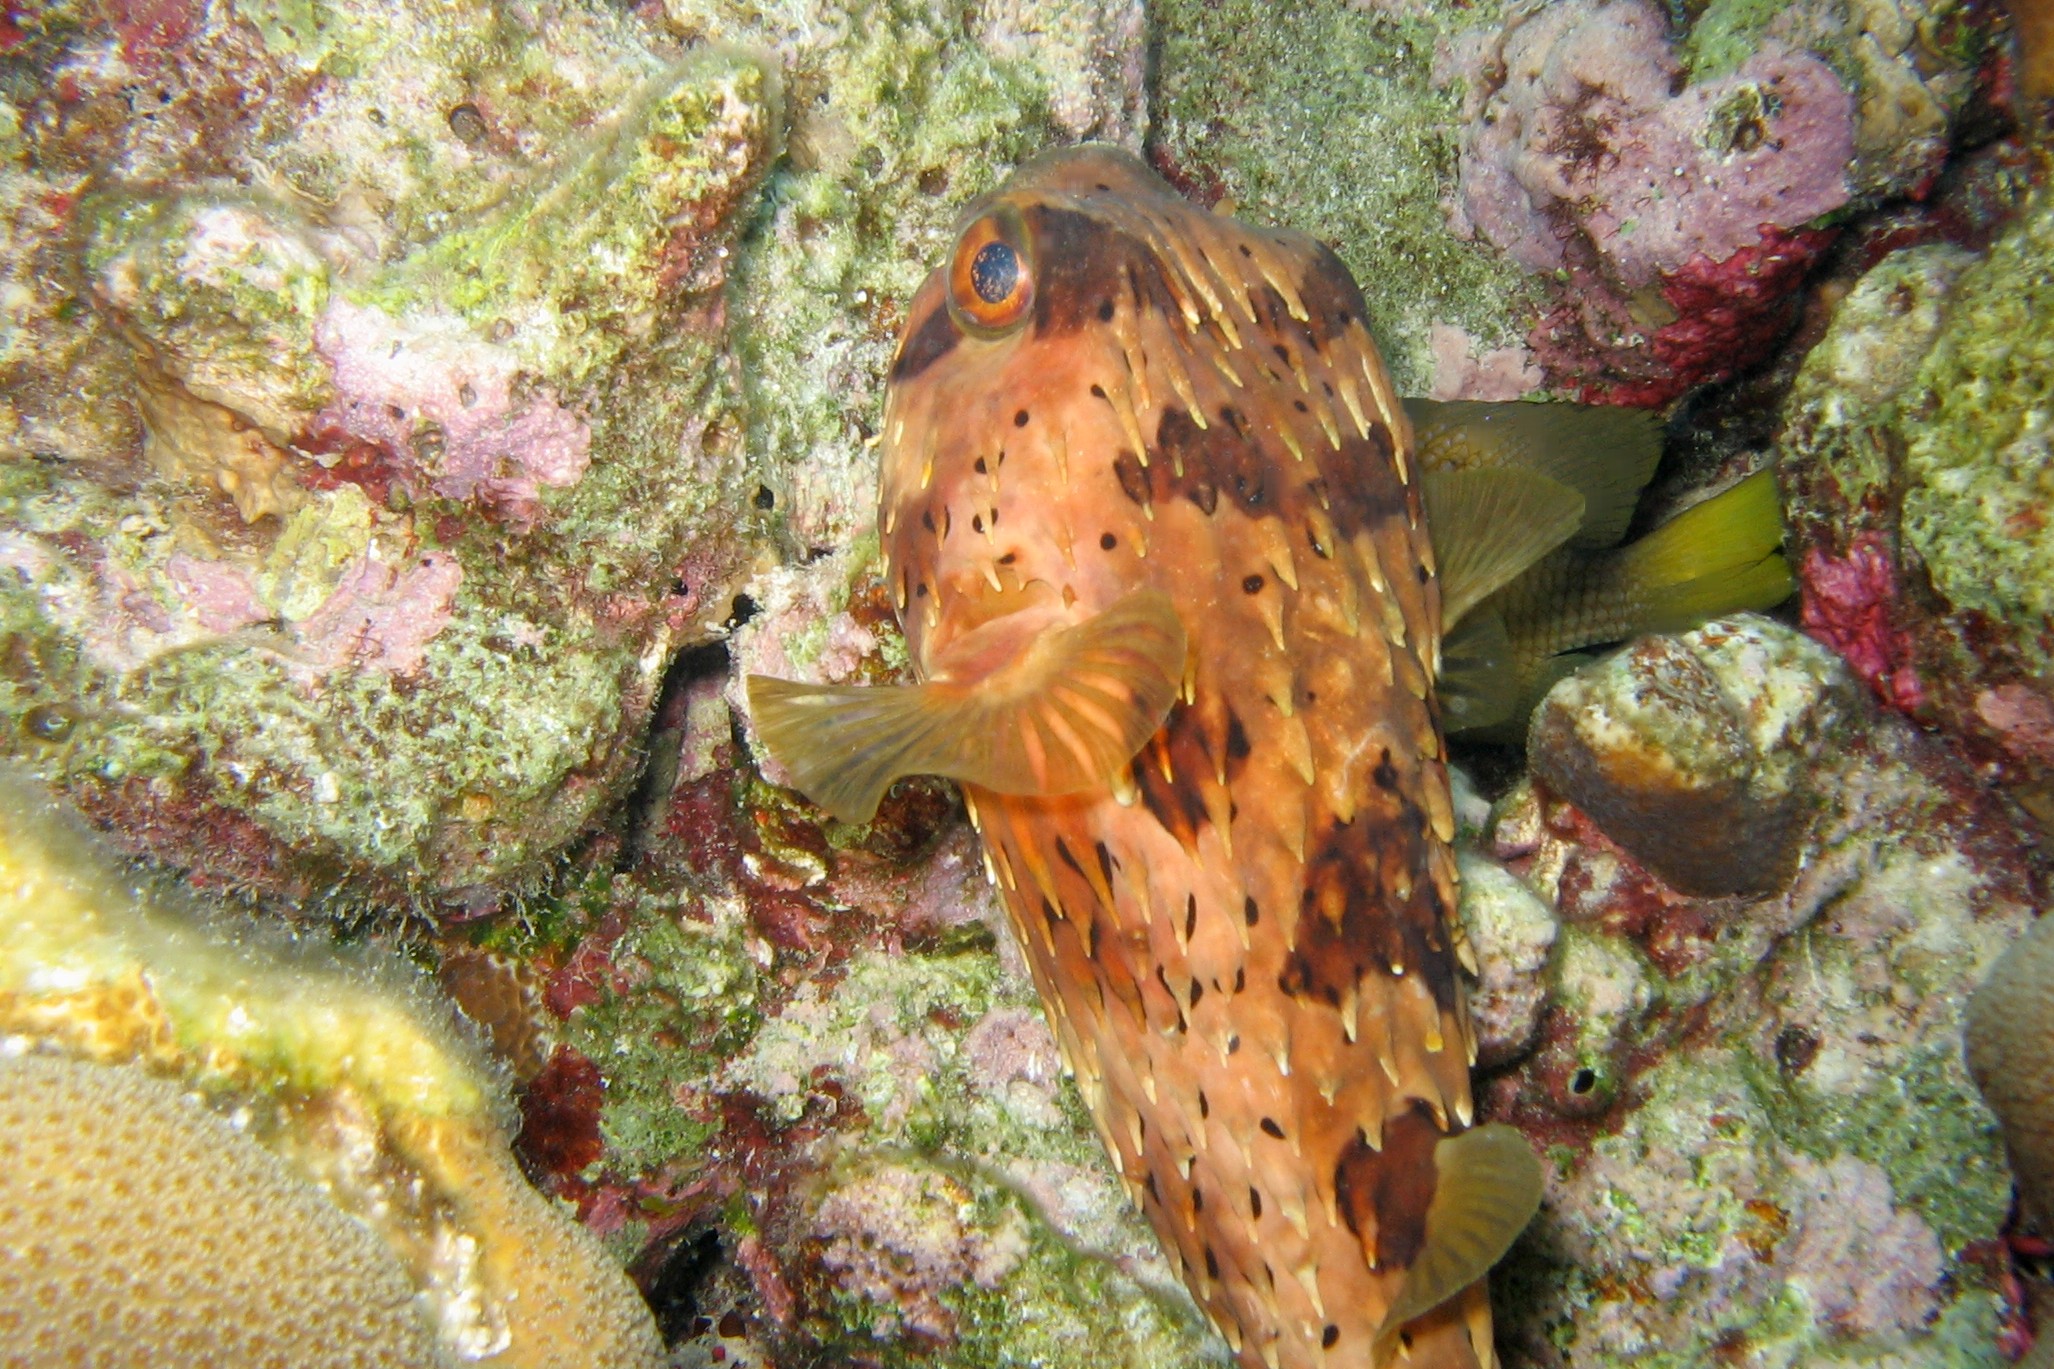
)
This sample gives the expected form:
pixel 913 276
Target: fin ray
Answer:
pixel 1099 689
pixel 1479 682
pixel 1487 1188
pixel 1603 452
pixel 1489 526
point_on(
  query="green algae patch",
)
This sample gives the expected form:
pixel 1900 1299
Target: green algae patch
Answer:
pixel 1326 117
pixel 576 267
pixel 1976 440
pixel 688 998
pixel 898 121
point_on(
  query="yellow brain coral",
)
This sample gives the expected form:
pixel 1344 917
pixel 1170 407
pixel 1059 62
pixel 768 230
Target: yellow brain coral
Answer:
pixel 138 1228
pixel 346 1071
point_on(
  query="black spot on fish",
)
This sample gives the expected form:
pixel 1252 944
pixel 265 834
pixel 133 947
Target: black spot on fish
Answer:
pixel 1255 1201
pixel 1330 1337
pixel 1204 1108
pixel 1020 419
pixel 1197 1199
pixel 1271 1129
pixel 977 522
pixel 1105 311
pixel 1251 912
pixel 1212 1264
pixel 1385 775
pixel 1106 541
pixel 1251 584
pixel 981 468
pixel 1106 863
pixel 1191 924
pixel 1238 748
pixel 927 519
pixel 1203 494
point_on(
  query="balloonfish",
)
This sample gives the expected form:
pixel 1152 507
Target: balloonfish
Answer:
pixel 1154 525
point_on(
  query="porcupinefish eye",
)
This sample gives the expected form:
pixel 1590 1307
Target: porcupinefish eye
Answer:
pixel 991 277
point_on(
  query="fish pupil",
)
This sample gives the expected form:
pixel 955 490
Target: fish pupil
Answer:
pixel 995 272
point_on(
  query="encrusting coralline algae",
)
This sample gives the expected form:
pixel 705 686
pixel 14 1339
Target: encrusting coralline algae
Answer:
pixel 415 420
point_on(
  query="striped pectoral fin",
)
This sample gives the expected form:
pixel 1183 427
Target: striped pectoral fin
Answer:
pixel 1058 711
pixel 1489 526
pixel 1487 1188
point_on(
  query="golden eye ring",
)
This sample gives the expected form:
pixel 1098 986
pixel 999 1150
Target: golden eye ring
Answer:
pixel 991 275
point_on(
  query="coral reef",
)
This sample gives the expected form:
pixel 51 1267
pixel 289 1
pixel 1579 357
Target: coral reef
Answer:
pixel 1668 192
pixel 342 1065
pixel 1764 1141
pixel 414 419
pixel 212 1252
pixel 1915 450
pixel 386 452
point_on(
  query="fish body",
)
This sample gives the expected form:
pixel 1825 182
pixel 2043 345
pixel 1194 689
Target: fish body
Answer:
pixel 1155 536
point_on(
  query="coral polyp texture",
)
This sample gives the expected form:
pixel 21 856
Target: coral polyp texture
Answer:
pixel 353 1093
pixel 1915 447
pixel 208 1251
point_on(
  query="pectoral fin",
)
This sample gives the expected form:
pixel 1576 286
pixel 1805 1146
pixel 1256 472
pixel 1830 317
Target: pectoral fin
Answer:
pixel 1062 711
pixel 1489 526
pixel 1487 1188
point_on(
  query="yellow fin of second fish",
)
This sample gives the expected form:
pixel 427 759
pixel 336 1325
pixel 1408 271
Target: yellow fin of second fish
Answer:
pixel 1487 1188
pixel 1064 712
pixel 1489 525
pixel 1718 556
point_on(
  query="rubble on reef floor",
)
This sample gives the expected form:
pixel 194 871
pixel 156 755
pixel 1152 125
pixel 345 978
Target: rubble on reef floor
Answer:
pixel 415 419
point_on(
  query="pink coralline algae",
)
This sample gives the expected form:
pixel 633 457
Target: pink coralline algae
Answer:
pixel 378 617
pixel 1672 211
pixel 1850 604
pixel 453 404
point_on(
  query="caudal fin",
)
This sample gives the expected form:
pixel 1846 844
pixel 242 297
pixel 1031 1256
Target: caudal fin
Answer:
pixel 1716 557
pixel 1487 1186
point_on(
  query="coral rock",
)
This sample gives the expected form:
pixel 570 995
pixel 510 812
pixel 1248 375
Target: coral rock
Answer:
pixel 1676 752
pixel 1763 1136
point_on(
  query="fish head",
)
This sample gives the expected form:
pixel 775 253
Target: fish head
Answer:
pixel 1083 306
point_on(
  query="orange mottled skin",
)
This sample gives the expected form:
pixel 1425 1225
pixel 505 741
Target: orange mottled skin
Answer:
pixel 1249 962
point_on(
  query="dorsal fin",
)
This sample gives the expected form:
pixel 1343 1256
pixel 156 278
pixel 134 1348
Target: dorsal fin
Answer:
pixel 1487 1186
pixel 1604 453
pixel 1060 711
pixel 1489 525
